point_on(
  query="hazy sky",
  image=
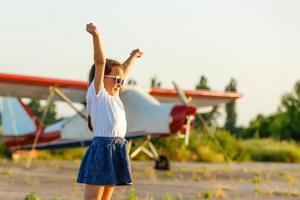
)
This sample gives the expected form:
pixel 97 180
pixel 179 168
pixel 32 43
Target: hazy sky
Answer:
pixel 257 42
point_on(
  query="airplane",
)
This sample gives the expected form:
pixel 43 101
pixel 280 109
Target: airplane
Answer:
pixel 154 113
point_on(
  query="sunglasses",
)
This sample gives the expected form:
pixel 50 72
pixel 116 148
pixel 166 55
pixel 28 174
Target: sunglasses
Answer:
pixel 118 79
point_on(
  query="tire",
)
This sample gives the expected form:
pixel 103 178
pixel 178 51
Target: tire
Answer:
pixel 162 163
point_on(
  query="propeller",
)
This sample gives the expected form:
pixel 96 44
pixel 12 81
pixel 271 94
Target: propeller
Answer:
pixel 185 101
pixel 189 119
pixel 182 97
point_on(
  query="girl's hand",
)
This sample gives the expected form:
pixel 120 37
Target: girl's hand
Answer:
pixel 137 53
pixel 131 60
pixel 92 29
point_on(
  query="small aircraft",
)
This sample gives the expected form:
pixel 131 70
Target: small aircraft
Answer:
pixel 153 113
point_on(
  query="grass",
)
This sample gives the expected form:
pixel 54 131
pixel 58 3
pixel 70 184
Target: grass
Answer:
pixel 169 196
pixel 276 192
pixel 6 172
pixel 286 193
pixel 32 196
pixel 207 194
pixel 58 198
pixel 132 194
pixel 169 174
pixel 217 193
pixel 257 179
pixel 290 180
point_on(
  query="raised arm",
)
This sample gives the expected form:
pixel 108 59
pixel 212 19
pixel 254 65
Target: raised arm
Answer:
pixel 99 57
pixel 131 60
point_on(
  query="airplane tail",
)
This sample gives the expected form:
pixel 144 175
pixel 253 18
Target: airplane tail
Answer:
pixel 17 118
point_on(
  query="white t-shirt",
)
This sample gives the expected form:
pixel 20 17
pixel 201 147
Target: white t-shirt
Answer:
pixel 107 113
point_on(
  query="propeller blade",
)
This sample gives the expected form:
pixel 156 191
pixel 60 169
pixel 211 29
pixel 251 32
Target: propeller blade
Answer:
pixel 189 118
pixel 184 100
pixel 205 109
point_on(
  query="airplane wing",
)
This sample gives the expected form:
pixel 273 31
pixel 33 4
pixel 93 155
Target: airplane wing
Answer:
pixel 38 87
pixel 198 98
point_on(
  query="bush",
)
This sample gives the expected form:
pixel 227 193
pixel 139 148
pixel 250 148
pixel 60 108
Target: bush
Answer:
pixel 207 146
pixel 221 146
pixel 217 146
pixel 270 150
pixel 174 149
pixel 4 151
pixel 63 154
pixel 205 154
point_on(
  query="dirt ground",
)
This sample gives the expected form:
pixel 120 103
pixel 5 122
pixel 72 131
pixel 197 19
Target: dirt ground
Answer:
pixel 56 180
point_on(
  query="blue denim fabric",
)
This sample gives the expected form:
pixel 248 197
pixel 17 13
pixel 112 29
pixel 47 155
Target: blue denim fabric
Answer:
pixel 106 162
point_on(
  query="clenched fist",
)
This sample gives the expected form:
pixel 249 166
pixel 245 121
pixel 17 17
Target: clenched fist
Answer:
pixel 137 53
pixel 92 29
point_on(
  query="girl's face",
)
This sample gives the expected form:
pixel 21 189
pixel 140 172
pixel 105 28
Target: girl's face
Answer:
pixel 112 85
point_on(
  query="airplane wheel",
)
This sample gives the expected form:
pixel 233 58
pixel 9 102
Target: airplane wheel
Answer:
pixel 162 163
pixel 9 155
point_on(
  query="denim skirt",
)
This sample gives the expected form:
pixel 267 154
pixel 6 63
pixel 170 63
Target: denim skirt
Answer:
pixel 106 162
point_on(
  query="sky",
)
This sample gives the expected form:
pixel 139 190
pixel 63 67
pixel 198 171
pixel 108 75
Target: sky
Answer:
pixel 256 42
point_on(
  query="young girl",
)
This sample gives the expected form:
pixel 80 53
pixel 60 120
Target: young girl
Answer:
pixel 106 161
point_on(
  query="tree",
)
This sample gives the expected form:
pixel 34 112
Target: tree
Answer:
pixel 230 108
pixel 155 83
pixel 131 82
pixel 38 109
pixel 281 125
pixel 290 105
pixel 202 84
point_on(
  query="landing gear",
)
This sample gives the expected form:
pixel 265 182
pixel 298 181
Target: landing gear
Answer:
pixel 162 163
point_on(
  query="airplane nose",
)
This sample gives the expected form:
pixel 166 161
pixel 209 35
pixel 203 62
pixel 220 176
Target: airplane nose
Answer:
pixel 179 114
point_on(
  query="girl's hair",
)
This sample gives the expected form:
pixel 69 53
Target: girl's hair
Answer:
pixel 110 63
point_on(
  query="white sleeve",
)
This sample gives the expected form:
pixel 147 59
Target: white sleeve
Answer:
pixel 91 92
pixel 91 97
